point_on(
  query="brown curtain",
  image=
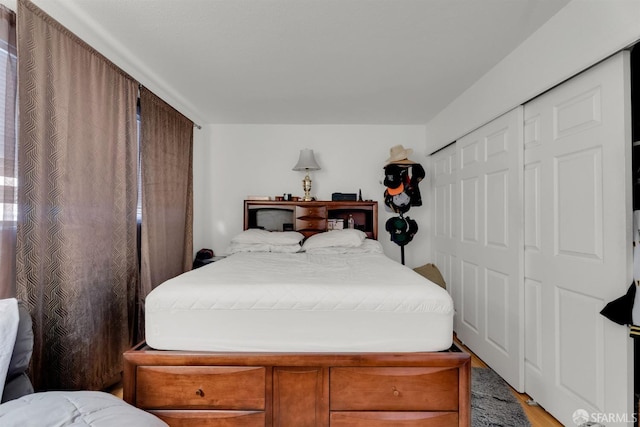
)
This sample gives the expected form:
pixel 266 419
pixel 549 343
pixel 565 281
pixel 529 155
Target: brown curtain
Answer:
pixel 8 152
pixel 76 249
pixel 167 193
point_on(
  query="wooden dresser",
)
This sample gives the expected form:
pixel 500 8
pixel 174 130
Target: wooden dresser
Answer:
pixel 310 217
pixel 190 389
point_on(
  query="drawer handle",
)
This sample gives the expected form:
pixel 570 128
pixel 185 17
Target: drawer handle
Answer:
pixel 396 393
pixel 199 392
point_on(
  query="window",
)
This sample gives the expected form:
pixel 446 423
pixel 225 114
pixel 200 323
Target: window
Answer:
pixel 8 136
pixel 8 152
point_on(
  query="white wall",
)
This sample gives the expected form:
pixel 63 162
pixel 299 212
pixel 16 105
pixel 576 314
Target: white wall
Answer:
pixel 11 4
pixel 578 36
pixel 235 161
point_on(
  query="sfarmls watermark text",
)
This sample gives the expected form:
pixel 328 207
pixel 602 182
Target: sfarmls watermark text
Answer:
pixel 583 418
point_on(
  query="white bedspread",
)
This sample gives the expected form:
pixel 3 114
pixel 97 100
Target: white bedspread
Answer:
pixel 9 318
pixel 300 302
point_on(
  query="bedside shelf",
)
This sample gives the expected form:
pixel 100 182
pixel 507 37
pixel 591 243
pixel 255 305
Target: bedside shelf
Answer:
pixel 310 218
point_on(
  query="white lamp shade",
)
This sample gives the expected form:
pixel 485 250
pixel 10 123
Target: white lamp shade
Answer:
pixel 306 161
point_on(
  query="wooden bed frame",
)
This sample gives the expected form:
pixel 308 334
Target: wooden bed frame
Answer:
pixel 233 389
pixel 300 389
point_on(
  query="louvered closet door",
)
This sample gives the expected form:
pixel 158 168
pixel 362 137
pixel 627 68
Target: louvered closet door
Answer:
pixel 444 220
pixel 578 243
pixel 490 245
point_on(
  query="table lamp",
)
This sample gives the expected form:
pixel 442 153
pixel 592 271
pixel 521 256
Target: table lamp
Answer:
pixel 306 162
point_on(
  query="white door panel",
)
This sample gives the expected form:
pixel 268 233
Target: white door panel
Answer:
pixel 444 220
pixel 577 179
pixel 490 247
pixel 532 207
pixel 533 321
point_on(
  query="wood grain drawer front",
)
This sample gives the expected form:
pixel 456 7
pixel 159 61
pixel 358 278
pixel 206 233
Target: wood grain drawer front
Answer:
pixel 396 419
pixel 311 211
pixel 198 418
pixel 300 397
pixel 311 224
pixel 210 387
pixel 394 389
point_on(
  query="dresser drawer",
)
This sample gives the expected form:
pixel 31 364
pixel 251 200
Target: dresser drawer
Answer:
pixel 185 387
pixel 311 224
pixel 201 418
pixel 395 419
pixel 311 211
pixel 394 389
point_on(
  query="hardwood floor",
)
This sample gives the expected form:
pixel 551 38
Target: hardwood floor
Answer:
pixel 536 414
pixel 116 390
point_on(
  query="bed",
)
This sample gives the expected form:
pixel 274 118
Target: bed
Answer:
pixel 333 335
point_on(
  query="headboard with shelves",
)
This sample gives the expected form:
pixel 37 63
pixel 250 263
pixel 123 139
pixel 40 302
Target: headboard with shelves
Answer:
pixel 310 217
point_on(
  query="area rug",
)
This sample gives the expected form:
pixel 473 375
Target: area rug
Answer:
pixel 492 402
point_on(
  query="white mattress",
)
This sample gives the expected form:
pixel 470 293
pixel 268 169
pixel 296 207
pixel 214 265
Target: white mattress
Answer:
pixel 280 302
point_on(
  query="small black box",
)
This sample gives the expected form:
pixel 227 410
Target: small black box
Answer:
pixel 344 197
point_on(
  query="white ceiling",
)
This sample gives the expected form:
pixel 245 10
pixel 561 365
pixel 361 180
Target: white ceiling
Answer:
pixel 307 61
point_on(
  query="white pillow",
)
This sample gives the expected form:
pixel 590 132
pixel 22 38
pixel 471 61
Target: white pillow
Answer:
pixel 349 238
pixel 287 249
pixel 235 248
pixel 369 246
pixel 327 250
pixel 256 235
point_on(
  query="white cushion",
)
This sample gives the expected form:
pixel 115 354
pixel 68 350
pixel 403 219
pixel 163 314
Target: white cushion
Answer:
pixel 349 238
pixel 288 249
pixel 369 246
pixel 235 248
pixel 256 235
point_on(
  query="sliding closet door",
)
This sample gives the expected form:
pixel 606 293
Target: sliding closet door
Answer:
pixel 445 222
pixel 578 243
pixel 490 245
